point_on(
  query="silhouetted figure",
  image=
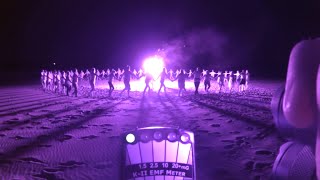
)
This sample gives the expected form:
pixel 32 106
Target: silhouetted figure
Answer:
pixel 207 80
pixel 68 82
pixel 75 82
pixel 111 76
pixel 147 81
pixel 163 77
pixel 247 79
pixel 55 81
pixel 140 72
pixel 230 80
pixel 204 72
pixel 171 74
pixel 63 82
pixel 178 72
pixel 212 73
pixel 181 82
pixel 92 80
pixel 44 79
pixel 242 81
pixel 197 78
pixel 135 72
pixel 49 81
pixel 126 80
pixel 220 80
pixel 103 73
pixel 119 73
pixel 190 74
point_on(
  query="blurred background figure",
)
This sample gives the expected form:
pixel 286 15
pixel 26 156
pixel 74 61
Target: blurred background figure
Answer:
pixel 242 81
pixel 247 79
pixel 163 77
pixel 126 80
pixel 181 82
pixel 111 76
pixel 75 81
pixel 68 82
pixel 197 78
pixel 207 80
pixel 92 81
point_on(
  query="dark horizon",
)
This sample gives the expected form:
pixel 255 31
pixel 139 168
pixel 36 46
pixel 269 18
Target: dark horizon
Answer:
pixel 254 35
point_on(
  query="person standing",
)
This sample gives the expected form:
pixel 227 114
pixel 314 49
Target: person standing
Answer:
pixel 197 78
pixel 68 82
pixel 163 77
pixel 75 81
pixel 126 80
pixel 111 76
pixel 148 79
pixel 92 80
pixel 181 82
pixel 207 80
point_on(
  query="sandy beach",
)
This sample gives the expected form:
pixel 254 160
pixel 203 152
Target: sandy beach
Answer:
pixel 45 135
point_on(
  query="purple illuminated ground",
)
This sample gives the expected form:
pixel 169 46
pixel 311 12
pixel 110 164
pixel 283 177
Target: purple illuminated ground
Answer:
pixel 48 136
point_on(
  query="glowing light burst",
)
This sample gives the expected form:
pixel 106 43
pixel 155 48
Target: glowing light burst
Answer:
pixel 130 138
pixel 153 65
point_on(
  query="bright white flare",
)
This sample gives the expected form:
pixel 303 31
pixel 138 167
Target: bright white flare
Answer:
pixel 130 138
pixel 153 65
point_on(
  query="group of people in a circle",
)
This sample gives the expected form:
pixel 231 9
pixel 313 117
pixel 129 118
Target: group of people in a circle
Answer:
pixel 64 81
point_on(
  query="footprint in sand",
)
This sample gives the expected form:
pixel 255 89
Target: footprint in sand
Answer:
pixel 56 121
pixel 18 137
pixel 263 152
pixel 82 127
pixel 229 121
pixel 64 138
pixel 106 125
pixel 7 129
pixel 35 123
pixel 202 131
pixel 43 137
pixel 71 164
pixel 208 119
pixel 44 145
pixel 52 170
pixel 234 132
pixel 229 146
pixel 103 166
pixel 260 166
pixel 73 117
pixel 241 137
pixel 46 175
pixel 31 160
pixel 50 116
pixel 215 125
pixel 215 133
pixel 249 128
pixel 227 141
pixel 86 112
pixel 89 137
pixel 248 165
pixel 10 122
pixel 5 161
pixel 232 152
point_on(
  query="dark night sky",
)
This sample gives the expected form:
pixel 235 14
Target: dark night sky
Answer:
pixel 258 34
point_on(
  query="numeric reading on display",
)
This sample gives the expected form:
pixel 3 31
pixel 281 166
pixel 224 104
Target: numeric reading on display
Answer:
pixel 157 165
